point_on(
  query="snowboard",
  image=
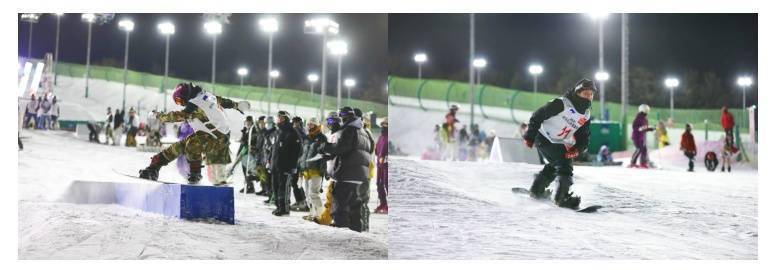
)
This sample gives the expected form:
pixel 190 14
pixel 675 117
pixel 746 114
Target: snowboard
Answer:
pixel 137 177
pixel 588 209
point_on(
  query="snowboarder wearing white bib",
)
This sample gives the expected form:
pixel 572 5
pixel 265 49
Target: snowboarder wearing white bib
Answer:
pixel 561 130
pixel 204 112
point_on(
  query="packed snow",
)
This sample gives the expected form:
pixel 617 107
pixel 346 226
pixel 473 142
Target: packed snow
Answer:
pixel 51 229
pixel 466 210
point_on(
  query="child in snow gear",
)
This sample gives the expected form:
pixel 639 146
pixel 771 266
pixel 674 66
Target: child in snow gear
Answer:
pixel 640 127
pixel 204 112
pixel 661 134
pixel 283 163
pixel 688 146
pixel 561 130
pixel 727 152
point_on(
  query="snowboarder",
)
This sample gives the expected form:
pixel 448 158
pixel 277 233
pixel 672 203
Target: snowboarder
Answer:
pixel 561 130
pixel 604 155
pixel 640 127
pixel 688 146
pixel 204 112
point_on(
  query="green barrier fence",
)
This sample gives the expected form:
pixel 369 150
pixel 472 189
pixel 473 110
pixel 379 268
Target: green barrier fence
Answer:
pixel 492 96
pixel 292 98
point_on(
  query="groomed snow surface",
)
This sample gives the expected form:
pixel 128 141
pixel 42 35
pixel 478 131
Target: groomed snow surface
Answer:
pixel 465 210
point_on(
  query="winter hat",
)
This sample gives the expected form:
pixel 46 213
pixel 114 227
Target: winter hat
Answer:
pixel 313 121
pixel 297 119
pixel 346 114
pixel 249 119
pixel 261 118
pixel 644 108
pixel 584 84
pixel 358 112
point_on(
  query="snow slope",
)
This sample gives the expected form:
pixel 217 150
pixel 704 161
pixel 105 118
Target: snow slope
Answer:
pixel 49 229
pixel 464 210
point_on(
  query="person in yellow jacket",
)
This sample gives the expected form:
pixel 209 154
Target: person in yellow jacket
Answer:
pixel 661 134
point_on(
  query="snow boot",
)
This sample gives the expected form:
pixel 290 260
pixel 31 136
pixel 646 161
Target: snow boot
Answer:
pixel 194 176
pixel 729 169
pixel 151 172
pixel 250 185
pixel 299 207
pixel 280 213
pixel 723 169
pixel 382 209
pixel 541 182
pixel 563 196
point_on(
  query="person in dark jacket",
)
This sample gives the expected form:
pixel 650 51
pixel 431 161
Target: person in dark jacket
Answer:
pixel 247 154
pixel 351 148
pixel 260 171
pixel 297 191
pixel 312 167
pixel 688 146
pixel 269 137
pixel 364 188
pixel 117 126
pixel 284 161
pixel 561 130
pixel 640 127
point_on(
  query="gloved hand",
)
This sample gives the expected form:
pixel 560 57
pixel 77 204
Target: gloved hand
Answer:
pixel 243 106
pixel 528 143
pixel 571 152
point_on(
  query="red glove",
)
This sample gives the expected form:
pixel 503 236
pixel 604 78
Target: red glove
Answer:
pixel 571 153
pixel 528 143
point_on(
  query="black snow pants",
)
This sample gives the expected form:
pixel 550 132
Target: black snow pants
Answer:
pixel 347 205
pixel 557 165
pixel 280 187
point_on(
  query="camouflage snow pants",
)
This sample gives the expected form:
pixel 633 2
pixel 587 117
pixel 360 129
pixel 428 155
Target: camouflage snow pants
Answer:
pixel 199 144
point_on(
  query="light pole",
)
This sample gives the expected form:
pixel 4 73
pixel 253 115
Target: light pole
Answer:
pixel 600 17
pixel 324 27
pixel 338 48
pixel 479 64
pixel 272 76
pixel 671 83
pixel 350 83
pixel 269 25
pixel 419 58
pixel 31 19
pixel 312 79
pixel 213 28
pixel 166 29
pixel 128 26
pixel 89 18
pixel 744 82
pixel 56 45
pixel 602 76
pixel 535 70
pixel 471 69
pixel 242 71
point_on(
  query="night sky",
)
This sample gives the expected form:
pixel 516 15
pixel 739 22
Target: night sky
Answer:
pixel 295 54
pixel 724 43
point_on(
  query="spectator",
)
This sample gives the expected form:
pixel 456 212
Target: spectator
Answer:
pixel 312 168
pixel 54 124
pixel 661 134
pixel 269 138
pixel 463 139
pixel 727 122
pixel 132 126
pixel 284 161
pixel 30 113
pixel 382 154
pixel 688 146
pixel 117 126
pixel 640 127
pixel 44 112
pixel 39 114
pixel 300 204
pixel 247 153
pixel 153 130
pixel 109 126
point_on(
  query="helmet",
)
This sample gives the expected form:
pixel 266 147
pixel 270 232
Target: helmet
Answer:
pixel 346 113
pixel 180 92
pixel 585 84
pixel 454 107
pixel 644 108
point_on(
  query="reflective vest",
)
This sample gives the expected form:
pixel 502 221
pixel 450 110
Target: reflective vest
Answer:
pixel 561 127
pixel 214 112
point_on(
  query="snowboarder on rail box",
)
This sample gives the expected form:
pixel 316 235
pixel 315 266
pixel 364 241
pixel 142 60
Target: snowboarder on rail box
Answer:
pixel 204 112
pixel 561 130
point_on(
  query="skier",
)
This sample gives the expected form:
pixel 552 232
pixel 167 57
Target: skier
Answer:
pixel 640 127
pixel 312 169
pixel 561 130
pixel 688 146
pixel 382 182
pixel 283 163
pixel 204 112
pixel 352 157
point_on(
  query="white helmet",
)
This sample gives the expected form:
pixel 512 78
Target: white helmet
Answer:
pixel 644 108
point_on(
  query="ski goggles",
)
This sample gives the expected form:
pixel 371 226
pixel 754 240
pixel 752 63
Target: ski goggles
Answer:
pixel 178 101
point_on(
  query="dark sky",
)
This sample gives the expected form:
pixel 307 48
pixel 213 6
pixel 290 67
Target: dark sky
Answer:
pixel 295 54
pixel 724 43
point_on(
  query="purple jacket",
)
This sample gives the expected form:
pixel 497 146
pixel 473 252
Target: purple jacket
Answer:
pixel 640 124
pixel 382 147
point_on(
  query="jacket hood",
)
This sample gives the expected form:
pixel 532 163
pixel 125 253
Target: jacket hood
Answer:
pixel 357 123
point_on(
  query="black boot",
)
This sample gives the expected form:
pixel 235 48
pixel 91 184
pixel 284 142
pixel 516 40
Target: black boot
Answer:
pixel 151 172
pixel 563 196
pixel 250 185
pixel 542 180
pixel 194 176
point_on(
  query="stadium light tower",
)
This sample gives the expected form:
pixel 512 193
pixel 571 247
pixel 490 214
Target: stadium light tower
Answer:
pixel 166 29
pixel 56 43
pixel 338 48
pixel 242 71
pixel 269 25
pixel 535 70
pixel 273 75
pixel 600 17
pixel 419 58
pixel 324 27
pixel 350 83
pixel 602 76
pixel 128 26
pixel 671 83
pixel 312 79
pixel 88 18
pixel 31 19
pixel 213 28
pixel 479 64
pixel 744 82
